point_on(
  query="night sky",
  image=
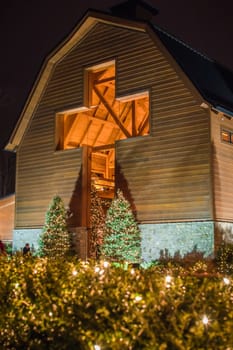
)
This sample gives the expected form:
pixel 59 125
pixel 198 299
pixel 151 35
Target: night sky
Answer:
pixel 30 30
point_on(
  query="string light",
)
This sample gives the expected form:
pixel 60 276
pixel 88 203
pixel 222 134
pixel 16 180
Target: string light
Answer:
pixel 168 280
pixel 97 347
pixel 226 280
pixel 138 298
pixel 205 320
pixel 106 264
pixel 130 299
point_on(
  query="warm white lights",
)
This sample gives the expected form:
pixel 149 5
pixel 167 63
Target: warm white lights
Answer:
pixel 99 270
pixel 226 280
pixel 97 347
pixel 105 264
pixel 168 279
pixel 205 320
pixel 138 298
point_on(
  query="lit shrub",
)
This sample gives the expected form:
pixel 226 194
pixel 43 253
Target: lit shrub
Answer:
pixel 224 258
pixel 70 304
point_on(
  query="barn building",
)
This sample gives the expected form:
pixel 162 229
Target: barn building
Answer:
pixel 123 104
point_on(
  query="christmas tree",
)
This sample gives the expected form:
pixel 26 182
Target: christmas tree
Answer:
pixel 122 239
pixel 97 224
pixel 55 240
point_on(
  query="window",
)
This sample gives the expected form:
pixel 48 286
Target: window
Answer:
pixel 227 136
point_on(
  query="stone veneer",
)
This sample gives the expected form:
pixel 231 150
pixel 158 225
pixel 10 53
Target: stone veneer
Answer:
pixel 174 239
pixel 23 236
pixel 177 239
pixel 31 236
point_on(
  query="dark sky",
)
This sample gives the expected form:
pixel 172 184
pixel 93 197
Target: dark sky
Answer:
pixel 30 30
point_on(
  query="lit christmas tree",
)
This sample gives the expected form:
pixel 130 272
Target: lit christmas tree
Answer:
pixel 55 240
pixel 97 224
pixel 122 239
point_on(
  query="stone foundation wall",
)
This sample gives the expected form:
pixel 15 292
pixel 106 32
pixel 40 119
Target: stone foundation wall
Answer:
pixel 158 240
pixel 20 237
pixel 177 240
pixel 31 236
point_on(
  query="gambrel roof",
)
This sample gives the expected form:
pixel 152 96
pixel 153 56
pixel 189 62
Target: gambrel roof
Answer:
pixel 213 82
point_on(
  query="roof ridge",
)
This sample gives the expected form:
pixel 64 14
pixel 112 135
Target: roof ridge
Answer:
pixel 183 43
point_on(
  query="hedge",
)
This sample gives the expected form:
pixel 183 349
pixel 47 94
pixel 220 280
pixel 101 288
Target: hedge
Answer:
pixel 72 304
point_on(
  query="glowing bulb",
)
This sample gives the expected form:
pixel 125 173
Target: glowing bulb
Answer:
pixel 106 263
pixel 74 273
pixel 50 314
pixel 97 347
pixel 97 269
pixel 132 271
pixel 226 280
pixel 138 298
pixel 205 319
pixel 168 279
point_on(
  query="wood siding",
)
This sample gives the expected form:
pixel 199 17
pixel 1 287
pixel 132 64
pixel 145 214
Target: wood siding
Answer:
pixel 167 173
pixel 222 169
pixel 168 176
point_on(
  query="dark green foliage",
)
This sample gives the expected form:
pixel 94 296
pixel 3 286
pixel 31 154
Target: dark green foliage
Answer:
pixel 8 247
pixel 55 240
pixel 122 241
pixel 68 304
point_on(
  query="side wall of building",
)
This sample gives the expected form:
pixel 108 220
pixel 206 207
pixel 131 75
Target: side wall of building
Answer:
pixel 222 165
pixel 222 168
